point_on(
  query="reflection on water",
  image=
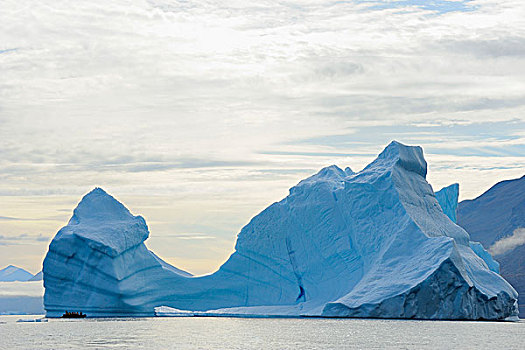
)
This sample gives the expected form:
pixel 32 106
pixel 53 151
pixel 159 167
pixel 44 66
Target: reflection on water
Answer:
pixel 243 333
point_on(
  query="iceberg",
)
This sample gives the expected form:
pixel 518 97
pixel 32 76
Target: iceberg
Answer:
pixel 38 320
pixel 447 198
pixel 375 243
pixel 480 251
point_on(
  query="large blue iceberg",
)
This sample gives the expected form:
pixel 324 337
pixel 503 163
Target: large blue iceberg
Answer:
pixel 370 244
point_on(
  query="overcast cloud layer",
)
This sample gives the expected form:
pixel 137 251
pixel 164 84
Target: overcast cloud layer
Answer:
pixel 198 114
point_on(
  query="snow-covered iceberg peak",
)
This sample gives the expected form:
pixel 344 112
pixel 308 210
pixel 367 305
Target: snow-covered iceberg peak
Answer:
pixel 105 224
pixel 330 175
pixel 375 243
pixel 98 205
pixel 349 171
pixel 331 172
pixel 396 154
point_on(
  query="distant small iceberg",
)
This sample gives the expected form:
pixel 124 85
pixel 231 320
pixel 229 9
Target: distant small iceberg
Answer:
pixel 32 320
pixel 166 311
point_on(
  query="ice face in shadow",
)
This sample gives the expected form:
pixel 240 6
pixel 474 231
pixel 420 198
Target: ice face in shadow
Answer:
pixel 370 244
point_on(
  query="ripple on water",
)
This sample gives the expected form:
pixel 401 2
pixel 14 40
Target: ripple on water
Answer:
pixel 240 333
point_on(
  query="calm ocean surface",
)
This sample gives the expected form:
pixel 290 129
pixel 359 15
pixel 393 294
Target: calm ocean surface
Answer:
pixel 245 333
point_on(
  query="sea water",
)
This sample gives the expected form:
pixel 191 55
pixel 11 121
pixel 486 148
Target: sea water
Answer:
pixel 257 333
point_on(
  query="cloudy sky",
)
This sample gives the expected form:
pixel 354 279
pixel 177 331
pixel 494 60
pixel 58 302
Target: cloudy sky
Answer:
pixel 198 114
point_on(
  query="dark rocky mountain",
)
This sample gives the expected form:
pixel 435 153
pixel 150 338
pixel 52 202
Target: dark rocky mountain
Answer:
pixel 497 216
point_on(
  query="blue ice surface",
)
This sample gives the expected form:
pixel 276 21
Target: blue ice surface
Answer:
pixel 375 243
pixel 448 199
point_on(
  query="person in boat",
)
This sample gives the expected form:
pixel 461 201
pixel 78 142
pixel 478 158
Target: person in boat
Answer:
pixel 68 314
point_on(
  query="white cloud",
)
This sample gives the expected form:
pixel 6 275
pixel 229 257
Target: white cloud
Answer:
pixel 507 244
